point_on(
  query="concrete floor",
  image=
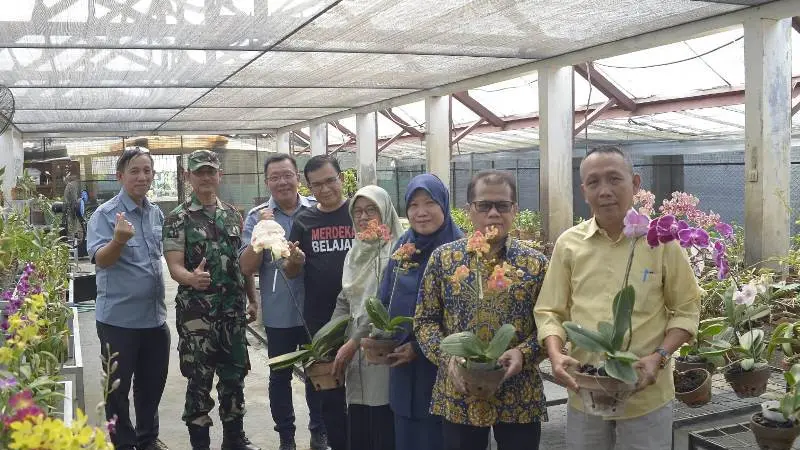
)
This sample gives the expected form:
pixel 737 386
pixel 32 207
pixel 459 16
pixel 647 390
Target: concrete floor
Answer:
pixel 258 421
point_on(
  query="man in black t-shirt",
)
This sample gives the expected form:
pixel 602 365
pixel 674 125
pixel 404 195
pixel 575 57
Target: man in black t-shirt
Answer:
pixel 321 237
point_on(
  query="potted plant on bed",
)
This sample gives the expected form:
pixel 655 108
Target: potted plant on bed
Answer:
pixel 700 354
pixel 778 424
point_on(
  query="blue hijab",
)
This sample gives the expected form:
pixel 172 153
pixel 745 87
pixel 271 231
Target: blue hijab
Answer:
pixel 426 244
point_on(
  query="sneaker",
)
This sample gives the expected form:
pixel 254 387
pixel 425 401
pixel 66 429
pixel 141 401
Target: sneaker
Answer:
pixel 156 445
pixel 319 440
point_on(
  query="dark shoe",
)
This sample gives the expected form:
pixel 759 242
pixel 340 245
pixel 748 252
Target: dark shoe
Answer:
pixel 319 440
pixel 287 444
pixel 156 445
pixel 233 437
pixel 199 437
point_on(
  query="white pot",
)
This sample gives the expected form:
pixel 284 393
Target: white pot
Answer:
pixel 771 411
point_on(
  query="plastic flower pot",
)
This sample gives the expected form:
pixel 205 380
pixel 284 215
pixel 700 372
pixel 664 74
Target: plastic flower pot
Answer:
pixel 693 387
pixel 772 435
pixel 481 380
pixel 378 351
pixel 603 396
pixel 321 378
pixel 748 383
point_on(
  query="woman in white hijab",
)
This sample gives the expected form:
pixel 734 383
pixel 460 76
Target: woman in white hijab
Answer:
pixel 369 419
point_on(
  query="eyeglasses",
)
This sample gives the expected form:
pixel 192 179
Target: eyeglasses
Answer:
pixel 287 177
pixel 502 206
pixel 370 211
pixel 326 182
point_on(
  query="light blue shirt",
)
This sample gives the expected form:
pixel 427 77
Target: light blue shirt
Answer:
pixel 277 308
pixel 130 292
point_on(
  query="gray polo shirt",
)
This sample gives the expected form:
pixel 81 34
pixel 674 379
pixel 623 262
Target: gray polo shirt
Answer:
pixel 130 292
pixel 277 308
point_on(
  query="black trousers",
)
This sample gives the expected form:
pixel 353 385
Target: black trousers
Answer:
pixel 370 427
pixel 509 436
pixel 142 355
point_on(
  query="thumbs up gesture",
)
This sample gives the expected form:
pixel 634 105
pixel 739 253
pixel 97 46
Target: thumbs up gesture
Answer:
pixel 123 230
pixel 201 279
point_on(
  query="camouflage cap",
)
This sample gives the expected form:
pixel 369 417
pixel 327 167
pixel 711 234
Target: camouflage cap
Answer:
pixel 200 158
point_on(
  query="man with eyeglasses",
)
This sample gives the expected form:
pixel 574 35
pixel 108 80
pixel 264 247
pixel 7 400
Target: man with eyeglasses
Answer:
pixel 321 237
pixel 124 242
pixel 516 410
pixel 281 298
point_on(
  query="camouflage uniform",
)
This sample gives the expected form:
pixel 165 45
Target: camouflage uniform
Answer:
pixel 211 324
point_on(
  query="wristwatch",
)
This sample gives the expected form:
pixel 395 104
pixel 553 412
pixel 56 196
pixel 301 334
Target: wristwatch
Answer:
pixel 664 356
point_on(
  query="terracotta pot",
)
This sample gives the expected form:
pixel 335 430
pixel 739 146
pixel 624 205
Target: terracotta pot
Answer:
pixel 481 382
pixel 683 366
pixel 378 351
pixel 773 438
pixel 699 396
pixel 751 383
pixel 603 396
pixel 321 378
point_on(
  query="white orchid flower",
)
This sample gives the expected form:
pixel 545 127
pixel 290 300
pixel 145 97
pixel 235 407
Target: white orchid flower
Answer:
pixel 268 234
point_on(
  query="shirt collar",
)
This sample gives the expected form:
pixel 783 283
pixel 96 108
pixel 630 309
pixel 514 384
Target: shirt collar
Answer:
pixel 128 202
pixel 301 201
pixel 195 205
pixel 591 229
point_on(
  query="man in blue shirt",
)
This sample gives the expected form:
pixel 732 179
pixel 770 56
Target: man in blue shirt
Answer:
pixel 124 242
pixel 282 298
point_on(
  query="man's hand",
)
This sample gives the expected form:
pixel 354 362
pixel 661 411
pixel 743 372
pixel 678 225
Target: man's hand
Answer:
pixel 296 256
pixel 455 376
pixel 648 368
pixel 252 311
pixel 123 230
pixel 562 364
pixel 266 214
pixel 512 360
pixel 403 354
pixel 344 356
pixel 201 279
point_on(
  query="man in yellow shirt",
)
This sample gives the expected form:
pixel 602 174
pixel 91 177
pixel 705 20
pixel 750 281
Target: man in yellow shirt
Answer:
pixel 585 272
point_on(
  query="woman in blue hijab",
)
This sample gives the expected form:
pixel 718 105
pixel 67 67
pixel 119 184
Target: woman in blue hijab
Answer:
pixel 412 376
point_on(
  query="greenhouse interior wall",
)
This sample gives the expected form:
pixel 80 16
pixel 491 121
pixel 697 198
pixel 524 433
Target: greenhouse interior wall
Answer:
pixel 713 171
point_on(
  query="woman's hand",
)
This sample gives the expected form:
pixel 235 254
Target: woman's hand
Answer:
pixel 344 356
pixel 403 354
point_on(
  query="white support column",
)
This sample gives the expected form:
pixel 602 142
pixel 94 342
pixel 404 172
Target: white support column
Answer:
pixel 437 137
pixel 556 125
pixel 367 148
pixel 319 139
pixel 282 142
pixel 768 71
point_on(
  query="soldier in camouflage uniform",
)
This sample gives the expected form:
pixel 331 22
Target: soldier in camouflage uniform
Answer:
pixel 201 241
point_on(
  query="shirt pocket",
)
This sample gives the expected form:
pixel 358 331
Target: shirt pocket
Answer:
pixel 647 279
pixel 133 250
pixel 158 240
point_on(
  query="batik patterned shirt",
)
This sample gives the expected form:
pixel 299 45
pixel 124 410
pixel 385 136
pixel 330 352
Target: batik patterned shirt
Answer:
pixel 443 310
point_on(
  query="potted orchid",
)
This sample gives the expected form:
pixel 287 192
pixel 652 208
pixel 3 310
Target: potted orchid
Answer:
pixel 385 329
pixel 778 424
pixel 476 358
pixel 316 357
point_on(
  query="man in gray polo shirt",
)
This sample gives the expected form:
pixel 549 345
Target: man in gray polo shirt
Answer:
pixel 124 242
pixel 281 315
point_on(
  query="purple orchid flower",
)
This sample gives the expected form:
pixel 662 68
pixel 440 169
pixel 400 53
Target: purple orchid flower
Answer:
pixel 636 225
pixel 693 237
pixel 668 228
pixel 7 383
pixel 724 230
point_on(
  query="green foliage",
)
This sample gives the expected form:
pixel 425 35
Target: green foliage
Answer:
pixel 706 344
pixel 610 338
pixel 303 190
pixel 26 187
pixel 379 317
pixel 350 185
pixel 528 221
pixel 322 347
pixel 461 218
pixel 474 349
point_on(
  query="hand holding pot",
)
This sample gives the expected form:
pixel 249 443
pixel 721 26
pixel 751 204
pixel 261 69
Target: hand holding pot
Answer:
pixel 344 356
pixel 648 368
pixel 455 376
pixel 562 365
pixel 403 354
pixel 512 360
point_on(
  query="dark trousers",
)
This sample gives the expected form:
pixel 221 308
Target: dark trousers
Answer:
pixel 370 427
pixel 509 436
pixel 279 342
pixel 334 414
pixel 142 354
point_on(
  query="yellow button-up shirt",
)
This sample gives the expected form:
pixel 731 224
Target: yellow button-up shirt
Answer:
pixel 585 273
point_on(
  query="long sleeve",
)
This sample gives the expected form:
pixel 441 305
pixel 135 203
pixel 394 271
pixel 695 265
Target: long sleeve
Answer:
pixel 429 315
pixel 682 294
pixel 552 304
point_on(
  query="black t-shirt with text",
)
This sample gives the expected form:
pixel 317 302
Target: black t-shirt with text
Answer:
pixel 325 238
